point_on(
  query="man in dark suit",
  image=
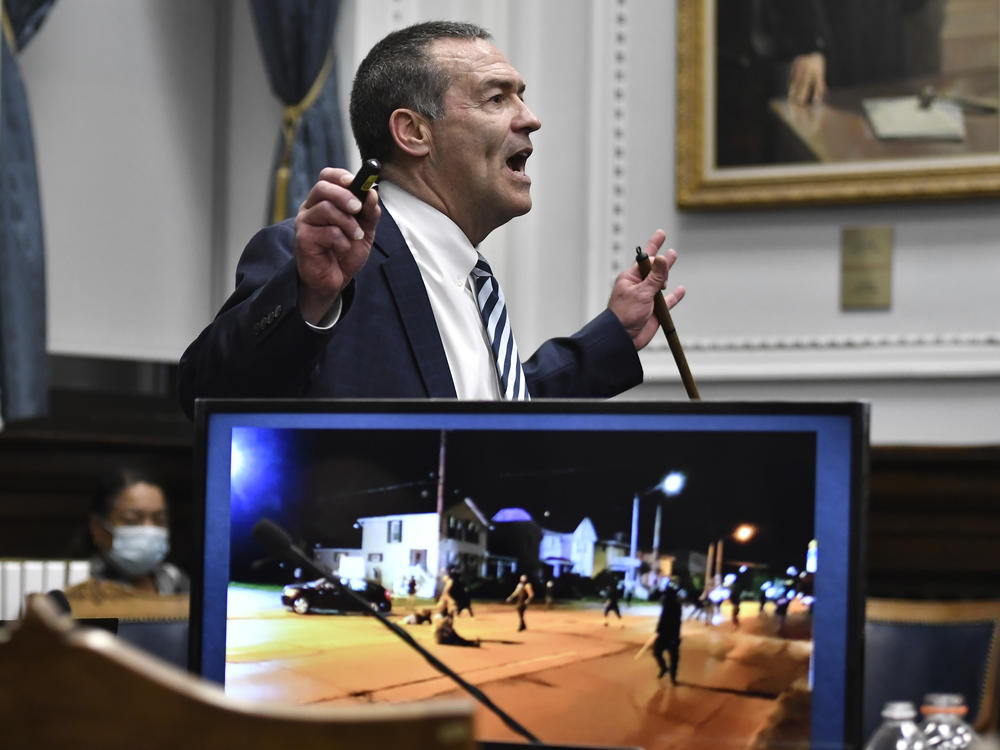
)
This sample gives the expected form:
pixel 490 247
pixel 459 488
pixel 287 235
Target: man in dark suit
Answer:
pixel 376 298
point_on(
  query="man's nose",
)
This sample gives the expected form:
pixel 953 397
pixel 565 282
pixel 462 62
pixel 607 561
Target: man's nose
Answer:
pixel 527 119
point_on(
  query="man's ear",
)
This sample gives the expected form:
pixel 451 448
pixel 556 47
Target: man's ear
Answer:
pixel 411 132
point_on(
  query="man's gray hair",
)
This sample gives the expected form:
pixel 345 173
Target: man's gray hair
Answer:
pixel 399 73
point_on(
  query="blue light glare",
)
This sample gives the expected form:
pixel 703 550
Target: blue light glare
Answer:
pixel 811 557
pixel 508 515
pixel 236 463
pixel 718 594
pixel 257 472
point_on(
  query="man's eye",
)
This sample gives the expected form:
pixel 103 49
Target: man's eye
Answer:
pixel 496 98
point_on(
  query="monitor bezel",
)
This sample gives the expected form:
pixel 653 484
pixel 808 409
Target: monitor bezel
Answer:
pixel 855 411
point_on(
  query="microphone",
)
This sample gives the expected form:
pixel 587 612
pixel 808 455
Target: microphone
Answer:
pixel 272 536
pixel 278 542
pixel 58 598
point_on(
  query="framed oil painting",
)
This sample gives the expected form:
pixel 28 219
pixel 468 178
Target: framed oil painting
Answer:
pixel 783 102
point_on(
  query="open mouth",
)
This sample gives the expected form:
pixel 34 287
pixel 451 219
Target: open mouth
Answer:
pixel 517 162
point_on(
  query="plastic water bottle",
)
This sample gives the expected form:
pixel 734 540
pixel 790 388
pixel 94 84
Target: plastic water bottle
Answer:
pixel 944 723
pixel 899 730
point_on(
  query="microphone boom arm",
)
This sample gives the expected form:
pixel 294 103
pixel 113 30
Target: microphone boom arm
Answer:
pixel 277 541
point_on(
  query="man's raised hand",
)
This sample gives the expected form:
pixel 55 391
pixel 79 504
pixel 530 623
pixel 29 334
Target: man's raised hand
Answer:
pixel 334 232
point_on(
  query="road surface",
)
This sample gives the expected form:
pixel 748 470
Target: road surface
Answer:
pixel 569 678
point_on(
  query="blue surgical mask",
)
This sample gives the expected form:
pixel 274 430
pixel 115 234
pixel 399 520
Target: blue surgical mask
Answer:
pixel 136 550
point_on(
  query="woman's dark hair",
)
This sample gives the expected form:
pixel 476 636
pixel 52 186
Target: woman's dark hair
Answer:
pixel 398 73
pixel 109 486
pixel 112 484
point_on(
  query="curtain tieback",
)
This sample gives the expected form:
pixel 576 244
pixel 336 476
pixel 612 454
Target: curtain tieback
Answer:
pixel 8 29
pixel 293 113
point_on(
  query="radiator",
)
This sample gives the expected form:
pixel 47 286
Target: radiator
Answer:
pixel 20 577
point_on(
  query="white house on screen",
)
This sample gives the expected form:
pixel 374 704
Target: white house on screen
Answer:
pixel 396 547
pixel 570 552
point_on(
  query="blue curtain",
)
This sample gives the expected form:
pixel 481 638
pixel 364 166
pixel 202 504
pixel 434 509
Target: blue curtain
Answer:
pixel 24 381
pixel 296 41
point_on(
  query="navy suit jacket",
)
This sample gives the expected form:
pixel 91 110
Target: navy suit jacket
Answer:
pixel 386 343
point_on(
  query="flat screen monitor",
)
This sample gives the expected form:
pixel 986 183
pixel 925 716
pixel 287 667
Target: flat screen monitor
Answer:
pixel 696 569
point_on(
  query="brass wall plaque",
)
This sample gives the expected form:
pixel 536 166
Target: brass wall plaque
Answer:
pixel 866 268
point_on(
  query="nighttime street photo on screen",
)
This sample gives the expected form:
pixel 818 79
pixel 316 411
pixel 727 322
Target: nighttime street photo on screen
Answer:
pixel 621 588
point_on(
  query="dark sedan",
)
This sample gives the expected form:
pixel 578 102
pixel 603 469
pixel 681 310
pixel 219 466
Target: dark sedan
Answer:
pixel 323 596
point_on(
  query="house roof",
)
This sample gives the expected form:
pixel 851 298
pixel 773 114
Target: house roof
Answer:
pixel 551 521
pixel 463 509
pixel 393 517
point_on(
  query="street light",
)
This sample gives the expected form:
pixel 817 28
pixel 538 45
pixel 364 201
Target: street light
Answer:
pixel 672 483
pixel 744 532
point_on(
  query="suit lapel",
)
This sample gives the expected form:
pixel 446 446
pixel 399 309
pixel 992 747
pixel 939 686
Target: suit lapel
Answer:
pixel 410 296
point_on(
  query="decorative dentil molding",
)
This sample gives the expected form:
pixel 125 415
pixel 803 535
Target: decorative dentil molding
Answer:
pixel 884 356
pixel 837 341
pixel 608 192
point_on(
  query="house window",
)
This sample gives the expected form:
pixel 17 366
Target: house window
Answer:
pixel 394 531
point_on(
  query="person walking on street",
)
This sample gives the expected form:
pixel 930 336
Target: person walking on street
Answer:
pixel 522 595
pixel 611 603
pixel 668 634
pixel 460 595
pixel 411 593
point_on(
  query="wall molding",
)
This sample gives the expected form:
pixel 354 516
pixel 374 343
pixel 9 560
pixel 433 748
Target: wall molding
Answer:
pixel 903 356
pixel 869 341
pixel 608 194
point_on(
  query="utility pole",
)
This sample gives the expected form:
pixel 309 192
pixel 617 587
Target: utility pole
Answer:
pixel 440 511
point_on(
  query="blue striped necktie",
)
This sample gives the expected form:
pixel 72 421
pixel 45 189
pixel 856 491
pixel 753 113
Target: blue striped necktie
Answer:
pixel 494 311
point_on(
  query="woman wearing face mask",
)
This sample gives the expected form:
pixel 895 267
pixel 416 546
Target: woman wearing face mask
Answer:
pixel 129 528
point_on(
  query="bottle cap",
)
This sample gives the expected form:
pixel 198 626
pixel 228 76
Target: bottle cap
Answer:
pixel 899 710
pixel 943 703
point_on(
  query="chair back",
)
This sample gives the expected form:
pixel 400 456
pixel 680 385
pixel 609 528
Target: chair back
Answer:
pixel 917 647
pixel 85 688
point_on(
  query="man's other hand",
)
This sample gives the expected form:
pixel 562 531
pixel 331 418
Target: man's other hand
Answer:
pixel 334 232
pixel 632 296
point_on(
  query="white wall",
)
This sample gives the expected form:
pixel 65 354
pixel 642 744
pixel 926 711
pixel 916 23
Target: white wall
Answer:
pixel 121 96
pixel 153 182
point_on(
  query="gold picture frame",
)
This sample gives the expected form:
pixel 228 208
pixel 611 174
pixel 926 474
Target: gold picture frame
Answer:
pixel 943 172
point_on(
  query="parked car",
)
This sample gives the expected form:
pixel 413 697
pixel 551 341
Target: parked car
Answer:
pixel 323 596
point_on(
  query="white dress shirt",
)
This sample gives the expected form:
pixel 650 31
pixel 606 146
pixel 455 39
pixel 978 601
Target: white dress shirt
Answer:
pixel 445 258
